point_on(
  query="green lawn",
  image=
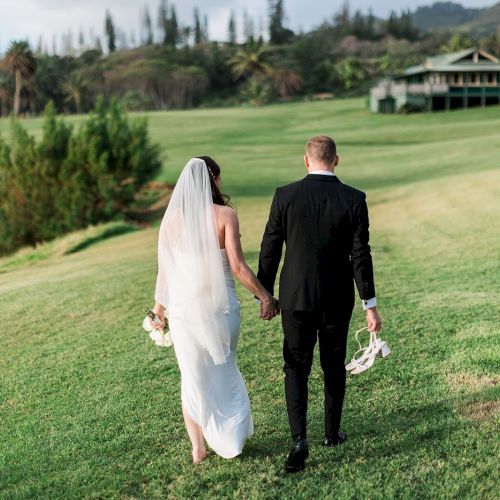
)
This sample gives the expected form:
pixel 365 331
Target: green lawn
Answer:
pixel 89 407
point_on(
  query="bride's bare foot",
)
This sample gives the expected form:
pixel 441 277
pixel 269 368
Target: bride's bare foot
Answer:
pixel 199 455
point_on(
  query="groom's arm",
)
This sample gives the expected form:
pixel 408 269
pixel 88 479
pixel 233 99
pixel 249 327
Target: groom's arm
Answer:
pixel 271 247
pixel 361 256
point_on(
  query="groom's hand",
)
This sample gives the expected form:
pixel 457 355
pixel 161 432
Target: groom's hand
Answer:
pixel 373 320
pixel 269 309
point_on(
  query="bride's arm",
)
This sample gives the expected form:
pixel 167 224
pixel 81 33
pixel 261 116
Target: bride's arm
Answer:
pixel 237 260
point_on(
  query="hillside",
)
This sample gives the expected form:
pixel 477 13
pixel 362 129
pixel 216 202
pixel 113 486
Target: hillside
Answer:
pixel 443 15
pixel 455 17
pixel 91 408
pixel 487 22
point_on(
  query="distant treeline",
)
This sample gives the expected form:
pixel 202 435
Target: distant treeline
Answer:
pixel 170 65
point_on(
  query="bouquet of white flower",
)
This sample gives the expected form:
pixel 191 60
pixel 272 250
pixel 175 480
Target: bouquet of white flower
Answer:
pixel 152 324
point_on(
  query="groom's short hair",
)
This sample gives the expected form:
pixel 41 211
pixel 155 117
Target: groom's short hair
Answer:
pixel 321 148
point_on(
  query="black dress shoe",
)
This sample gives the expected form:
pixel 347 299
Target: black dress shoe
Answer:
pixel 336 440
pixel 297 456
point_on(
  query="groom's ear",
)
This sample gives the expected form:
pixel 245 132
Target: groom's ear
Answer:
pixel 336 162
pixel 306 161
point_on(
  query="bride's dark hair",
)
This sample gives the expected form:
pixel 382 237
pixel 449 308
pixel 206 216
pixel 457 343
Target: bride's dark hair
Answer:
pixel 214 171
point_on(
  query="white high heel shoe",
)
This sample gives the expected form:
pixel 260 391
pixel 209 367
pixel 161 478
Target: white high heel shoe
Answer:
pixel 366 359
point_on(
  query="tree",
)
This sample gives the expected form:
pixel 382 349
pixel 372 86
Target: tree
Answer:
pixel 402 26
pixel 110 32
pixel 163 20
pixel 491 44
pixel 358 25
pixel 250 60
pixel 231 29
pixel 458 41
pixel 81 40
pixel 68 180
pixel 349 72
pixel 73 89
pixel 343 19
pixel 172 35
pixel 4 96
pixel 370 25
pixel 39 46
pixel 20 61
pixel 278 34
pixel 286 82
pixel 205 28
pixel 147 27
pixel 198 33
pixel 256 91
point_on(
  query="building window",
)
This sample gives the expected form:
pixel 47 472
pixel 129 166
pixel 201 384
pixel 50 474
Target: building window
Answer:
pixel 472 77
pixel 455 78
pixel 491 78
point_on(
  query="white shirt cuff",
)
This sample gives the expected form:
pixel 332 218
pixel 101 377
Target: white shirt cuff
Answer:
pixel 367 304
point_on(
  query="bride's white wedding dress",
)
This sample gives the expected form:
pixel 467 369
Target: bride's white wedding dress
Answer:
pixel 196 286
pixel 215 396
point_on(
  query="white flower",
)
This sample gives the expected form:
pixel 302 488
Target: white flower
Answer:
pixel 160 338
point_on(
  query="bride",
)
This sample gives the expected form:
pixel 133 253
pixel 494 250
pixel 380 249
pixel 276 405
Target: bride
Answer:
pixel 198 247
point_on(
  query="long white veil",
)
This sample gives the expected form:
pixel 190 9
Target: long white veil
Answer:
pixel 190 281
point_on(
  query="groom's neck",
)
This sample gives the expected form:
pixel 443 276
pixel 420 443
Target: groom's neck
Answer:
pixel 320 168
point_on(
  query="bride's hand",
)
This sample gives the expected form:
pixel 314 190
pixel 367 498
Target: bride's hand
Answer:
pixel 160 312
pixel 269 308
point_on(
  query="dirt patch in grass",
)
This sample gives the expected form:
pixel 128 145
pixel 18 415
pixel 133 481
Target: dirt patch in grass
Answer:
pixel 482 411
pixel 470 382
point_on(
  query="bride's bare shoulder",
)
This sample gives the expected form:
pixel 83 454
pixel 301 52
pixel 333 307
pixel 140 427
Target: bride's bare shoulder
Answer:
pixel 227 216
pixel 226 213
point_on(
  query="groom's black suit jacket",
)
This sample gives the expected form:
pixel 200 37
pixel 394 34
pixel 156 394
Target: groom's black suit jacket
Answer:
pixel 324 224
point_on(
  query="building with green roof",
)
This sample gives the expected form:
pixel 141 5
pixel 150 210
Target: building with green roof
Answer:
pixel 457 80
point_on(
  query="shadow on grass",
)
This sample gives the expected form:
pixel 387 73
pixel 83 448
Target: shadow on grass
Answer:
pixel 262 449
pixel 106 233
pixel 423 428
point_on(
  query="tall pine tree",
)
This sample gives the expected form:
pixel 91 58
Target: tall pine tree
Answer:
pixel 110 32
pixel 278 34
pixel 147 27
pixel 172 36
pixel 163 21
pixel 198 33
pixel 231 29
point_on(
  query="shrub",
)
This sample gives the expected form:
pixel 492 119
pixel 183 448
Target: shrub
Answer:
pixel 70 180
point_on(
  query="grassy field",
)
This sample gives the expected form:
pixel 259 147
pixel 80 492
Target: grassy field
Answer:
pixel 89 407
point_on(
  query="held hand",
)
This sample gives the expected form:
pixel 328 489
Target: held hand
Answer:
pixel 373 320
pixel 269 309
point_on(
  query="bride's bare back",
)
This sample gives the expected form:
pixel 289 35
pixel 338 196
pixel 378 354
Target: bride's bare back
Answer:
pixel 228 232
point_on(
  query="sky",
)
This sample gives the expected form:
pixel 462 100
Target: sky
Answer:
pixel 21 19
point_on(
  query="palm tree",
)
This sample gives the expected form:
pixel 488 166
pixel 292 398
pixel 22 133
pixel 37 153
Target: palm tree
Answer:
pixel 286 82
pixel 73 88
pixel 250 60
pixel 4 97
pixel 20 61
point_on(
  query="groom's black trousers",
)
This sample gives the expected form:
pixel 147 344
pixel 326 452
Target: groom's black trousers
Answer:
pixel 302 329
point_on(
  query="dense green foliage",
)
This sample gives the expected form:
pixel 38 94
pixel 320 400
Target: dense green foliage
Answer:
pixel 90 407
pixel 70 179
pixel 179 67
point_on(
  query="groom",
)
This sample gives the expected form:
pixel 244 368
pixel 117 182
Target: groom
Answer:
pixel 324 224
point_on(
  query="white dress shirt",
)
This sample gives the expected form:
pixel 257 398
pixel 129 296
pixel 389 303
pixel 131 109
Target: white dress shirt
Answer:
pixel 367 304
